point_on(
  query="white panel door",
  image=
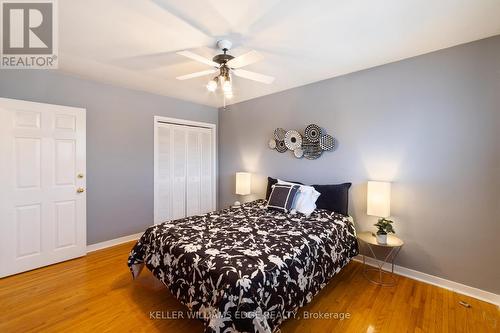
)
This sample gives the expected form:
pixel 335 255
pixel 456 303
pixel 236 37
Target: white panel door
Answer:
pixel 42 172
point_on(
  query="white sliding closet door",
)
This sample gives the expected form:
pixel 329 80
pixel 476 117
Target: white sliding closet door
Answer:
pixel 199 195
pixel 178 162
pixel 207 171
pixel 184 170
pixel 163 173
pixel 42 191
pixel 193 165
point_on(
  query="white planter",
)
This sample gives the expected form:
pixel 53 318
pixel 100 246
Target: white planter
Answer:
pixel 382 239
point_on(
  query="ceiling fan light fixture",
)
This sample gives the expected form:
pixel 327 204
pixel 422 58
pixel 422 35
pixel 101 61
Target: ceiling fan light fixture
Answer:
pixel 225 65
pixel 212 85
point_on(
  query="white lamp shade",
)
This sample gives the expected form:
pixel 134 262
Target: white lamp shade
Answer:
pixel 243 183
pixel 378 199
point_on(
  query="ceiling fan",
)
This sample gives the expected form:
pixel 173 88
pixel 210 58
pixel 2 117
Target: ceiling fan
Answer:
pixel 225 65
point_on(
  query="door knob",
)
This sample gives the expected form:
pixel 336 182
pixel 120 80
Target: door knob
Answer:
pixel 80 190
pixel 80 175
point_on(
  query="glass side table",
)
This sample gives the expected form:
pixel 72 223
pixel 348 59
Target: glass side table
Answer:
pixel 392 248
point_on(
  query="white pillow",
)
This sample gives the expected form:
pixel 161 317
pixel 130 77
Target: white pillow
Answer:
pixel 306 202
pixel 305 199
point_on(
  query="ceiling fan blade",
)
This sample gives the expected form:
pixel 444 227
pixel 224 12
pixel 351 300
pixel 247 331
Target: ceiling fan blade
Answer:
pixel 253 76
pixel 199 58
pixel 245 59
pixel 196 74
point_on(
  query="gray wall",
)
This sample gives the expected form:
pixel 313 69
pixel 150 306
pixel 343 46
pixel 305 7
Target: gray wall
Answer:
pixel 119 143
pixel 429 124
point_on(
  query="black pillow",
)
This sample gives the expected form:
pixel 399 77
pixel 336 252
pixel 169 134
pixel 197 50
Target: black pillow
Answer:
pixel 272 181
pixel 282 197
pixel 334 198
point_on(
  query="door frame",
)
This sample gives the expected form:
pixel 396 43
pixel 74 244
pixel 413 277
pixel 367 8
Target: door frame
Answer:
pixel 184 122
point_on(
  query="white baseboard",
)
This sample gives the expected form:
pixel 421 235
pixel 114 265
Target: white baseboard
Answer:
pixel 437 281
pixel 113 242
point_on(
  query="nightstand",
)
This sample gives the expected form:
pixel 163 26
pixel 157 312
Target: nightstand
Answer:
pixel 391 250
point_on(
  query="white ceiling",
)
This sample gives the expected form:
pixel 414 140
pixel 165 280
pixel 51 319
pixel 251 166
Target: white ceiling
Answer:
pixel 132 43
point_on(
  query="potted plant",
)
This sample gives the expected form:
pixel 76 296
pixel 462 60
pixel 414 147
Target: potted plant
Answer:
pixel 384 227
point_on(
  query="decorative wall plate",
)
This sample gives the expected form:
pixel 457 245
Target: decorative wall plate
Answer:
pixel 312 155
pixel 293 140
pixel 279 134
pixel 299 153
pixel 312 150
pixel 326 142
pixel 311 145
pixel 280 146
pixel 312 132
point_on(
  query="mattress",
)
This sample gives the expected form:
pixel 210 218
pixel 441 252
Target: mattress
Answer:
pixel 246 269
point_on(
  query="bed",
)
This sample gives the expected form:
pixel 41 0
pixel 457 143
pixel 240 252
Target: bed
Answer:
pixel 246 269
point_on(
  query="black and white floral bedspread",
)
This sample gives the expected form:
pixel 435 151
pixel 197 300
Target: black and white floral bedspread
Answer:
pixel 246 269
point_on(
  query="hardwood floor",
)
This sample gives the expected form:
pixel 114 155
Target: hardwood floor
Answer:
pixel 97 294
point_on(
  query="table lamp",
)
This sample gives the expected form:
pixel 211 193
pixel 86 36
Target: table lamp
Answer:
pixel 379 204
pixel 243 184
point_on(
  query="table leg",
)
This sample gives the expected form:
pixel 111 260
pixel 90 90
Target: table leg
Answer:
pixel 389 258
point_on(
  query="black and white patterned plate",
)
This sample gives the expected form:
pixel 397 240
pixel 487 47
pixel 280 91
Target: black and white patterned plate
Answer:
pixel 280 146
pixel 299 152
pixel 326 142
pixel 312 150
pixel 279 134
pixel 293 140
pixel 312 133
